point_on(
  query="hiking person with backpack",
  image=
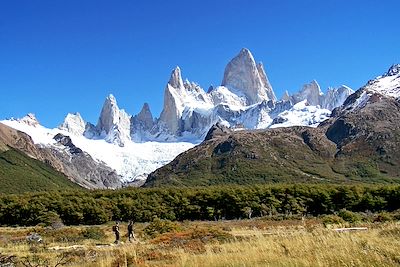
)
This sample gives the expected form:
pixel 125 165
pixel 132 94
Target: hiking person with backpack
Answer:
pixel 116 232
pixel 130 231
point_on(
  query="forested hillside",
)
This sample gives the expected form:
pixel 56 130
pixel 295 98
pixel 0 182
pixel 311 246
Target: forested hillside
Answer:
pixel 20 173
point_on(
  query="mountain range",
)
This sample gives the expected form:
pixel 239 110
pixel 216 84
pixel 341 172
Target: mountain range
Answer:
pixel 359 142
pixel 126 148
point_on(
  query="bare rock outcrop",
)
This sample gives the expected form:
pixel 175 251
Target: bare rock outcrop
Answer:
pixel 114 123
pixel 243 74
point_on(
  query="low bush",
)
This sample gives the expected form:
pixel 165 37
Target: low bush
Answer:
pixel 159 226
pixel 396 215
pixel 331 219
pixel 93 232
pixel 194 239
pixel 64 235
pixel 349 216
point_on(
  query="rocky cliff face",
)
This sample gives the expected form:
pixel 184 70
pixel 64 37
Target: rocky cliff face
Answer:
pixel 335 97
pixel 310 92
pixel 242 74
pixel 81 167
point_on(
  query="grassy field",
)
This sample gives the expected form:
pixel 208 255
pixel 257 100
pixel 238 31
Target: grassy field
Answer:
pixel 225 243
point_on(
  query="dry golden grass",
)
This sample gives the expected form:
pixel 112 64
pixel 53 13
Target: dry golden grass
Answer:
pixel 320 247
pixel 246 243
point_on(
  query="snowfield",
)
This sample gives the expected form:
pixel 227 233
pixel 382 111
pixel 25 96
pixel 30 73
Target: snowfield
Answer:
pixel 133 162
pixel 388 86
pixel 302 114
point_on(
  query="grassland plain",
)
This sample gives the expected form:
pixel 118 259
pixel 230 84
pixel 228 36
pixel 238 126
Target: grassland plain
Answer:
pixel 256 242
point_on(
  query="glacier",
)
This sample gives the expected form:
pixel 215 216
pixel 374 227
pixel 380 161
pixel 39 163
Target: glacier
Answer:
pixel 132 162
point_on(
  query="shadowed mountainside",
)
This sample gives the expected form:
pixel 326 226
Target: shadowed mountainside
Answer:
pixel 23 171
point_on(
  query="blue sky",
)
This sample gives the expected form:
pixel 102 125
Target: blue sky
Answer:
pixel 59 56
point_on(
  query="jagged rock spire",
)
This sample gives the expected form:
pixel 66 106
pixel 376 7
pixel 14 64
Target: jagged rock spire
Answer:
pixel 243 74
pixel 176 78
pixel 109 115
pixel 265 81
pixel 172 109
pixel 144 118
pixel 113 122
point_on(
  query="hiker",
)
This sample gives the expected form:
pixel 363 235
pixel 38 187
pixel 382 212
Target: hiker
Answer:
pixel 116 231
pixel 130 232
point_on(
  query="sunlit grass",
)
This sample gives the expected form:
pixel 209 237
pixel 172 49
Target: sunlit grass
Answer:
pixel 245 243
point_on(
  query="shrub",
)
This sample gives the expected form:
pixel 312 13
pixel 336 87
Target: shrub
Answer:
pixel 383 217
pixel 349 216
pixel 52 219
pixel 193 240
pixel 158 226
pixel 66 234
pixel 93 233
pixel 213 233
pixel 332 219
pixel 396 215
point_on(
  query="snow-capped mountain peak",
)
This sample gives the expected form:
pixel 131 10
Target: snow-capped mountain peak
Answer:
pixel 393 70
pixel 244 75
pixel 30 119
pixel 310 91
pixel 181 99
pixel 114 123
pixel 74 124
pixel 388 84
pixel 176 79
pixel 333 98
